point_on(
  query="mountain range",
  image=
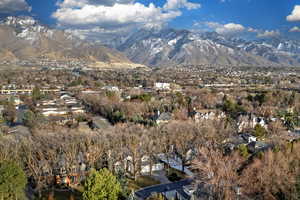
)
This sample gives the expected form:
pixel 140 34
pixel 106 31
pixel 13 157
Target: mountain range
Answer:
pixel 183 47
pixel 24 38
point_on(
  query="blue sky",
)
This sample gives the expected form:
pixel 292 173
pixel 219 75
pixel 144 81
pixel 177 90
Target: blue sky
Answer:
pixel 260 17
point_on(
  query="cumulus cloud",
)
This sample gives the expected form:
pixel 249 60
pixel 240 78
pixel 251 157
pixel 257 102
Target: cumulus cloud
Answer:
pixel 112 16
pixel 230 28
pixel 225 29
pixel 295 29
pixel 95 18
pixel 12 6
pixel 295 15
pixel 268 33
pixel 116 13
pixel 81 3
pixel 177 4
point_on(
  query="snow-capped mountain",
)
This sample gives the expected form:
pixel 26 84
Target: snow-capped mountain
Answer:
pixel 173 47
pixel 280 51
pixel 24 38
pixel 27 28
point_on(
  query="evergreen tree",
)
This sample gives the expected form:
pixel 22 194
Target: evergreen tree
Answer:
pixel 101 185
pixel 36 94
pixel 12 181
pixel 29 119
pixel 259 131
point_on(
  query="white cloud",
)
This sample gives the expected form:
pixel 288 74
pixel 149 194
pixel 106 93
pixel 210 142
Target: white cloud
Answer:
pixel 81 3
pixel 230 28
pixel 213 25
pixel 225 29
pixel 109 16
pixel 89 18
pixel 295 29
pixel 116 13
pixel 253 30
pixel 268 33
pixel 97 33
pixel 295 15
pixel 11 6
pixel 177 4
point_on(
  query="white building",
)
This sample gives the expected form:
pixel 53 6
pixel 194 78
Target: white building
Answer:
pixel 162 86
pixel 111 88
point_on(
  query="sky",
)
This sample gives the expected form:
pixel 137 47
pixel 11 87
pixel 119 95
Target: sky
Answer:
pixel 259 18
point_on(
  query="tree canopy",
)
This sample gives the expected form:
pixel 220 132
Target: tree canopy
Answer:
pixel 101 185
pixel 12 181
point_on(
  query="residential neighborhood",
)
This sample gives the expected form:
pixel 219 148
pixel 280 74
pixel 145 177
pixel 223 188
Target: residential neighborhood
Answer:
pixel 149 100
pixel 159 136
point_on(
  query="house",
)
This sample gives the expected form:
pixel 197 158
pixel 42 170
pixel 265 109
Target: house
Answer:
pixel 199 115
pixel 111 88
pixel 162 118
pixel 66 173
pixel 65 96
pixel 174 162
pixel 162 86
pixel 232 143
pixel 147 164
pixel 53 111
pixel 250 121
pixel 76 109
pixel 258 146
pixel 248 137
pixel 63 105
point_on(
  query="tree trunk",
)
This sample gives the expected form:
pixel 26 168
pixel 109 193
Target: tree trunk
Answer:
pixel 150 164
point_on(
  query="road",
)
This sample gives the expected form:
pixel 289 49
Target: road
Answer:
pixel 162 188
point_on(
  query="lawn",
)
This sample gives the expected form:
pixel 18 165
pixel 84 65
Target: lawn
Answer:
pixel 141 182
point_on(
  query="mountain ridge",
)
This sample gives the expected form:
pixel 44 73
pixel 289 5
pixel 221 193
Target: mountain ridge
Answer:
pixel 184 47
pixel 24 38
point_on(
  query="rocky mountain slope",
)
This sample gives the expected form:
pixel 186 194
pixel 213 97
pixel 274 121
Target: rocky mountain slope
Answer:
pixel 23 38
pixel 182 47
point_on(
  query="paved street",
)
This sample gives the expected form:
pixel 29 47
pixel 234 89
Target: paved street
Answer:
pixel 146 192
